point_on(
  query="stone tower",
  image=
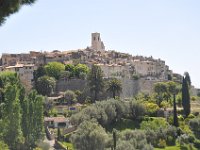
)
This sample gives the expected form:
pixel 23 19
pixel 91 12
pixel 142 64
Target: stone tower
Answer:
pixel 97 44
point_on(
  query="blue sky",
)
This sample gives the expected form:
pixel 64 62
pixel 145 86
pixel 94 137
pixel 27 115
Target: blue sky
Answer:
pixel 166 29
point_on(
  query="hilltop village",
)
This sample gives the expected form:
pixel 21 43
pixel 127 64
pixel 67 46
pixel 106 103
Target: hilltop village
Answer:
pixel 113 63
pixel 118 91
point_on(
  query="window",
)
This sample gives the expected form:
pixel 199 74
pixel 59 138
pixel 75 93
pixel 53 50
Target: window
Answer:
pixel 94 38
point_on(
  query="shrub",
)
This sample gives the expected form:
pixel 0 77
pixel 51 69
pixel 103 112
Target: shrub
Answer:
pixel 161 143
pixel 155 124
pixel 197 144
pixel 136 76
pixel 191 116
pixel 164 104
pixel 193 98
pixel 151 108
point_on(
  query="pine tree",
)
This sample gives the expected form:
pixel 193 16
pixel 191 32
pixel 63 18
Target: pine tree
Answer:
pixel 185 97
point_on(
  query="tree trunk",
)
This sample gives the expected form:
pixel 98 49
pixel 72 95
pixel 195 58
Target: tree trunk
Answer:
pixel 175 112
pixel 114 94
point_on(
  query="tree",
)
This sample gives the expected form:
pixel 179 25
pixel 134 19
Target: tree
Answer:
pixel 70 69
pixel 160 88
pixel 187 78
pixel 32 119
pixel 12 132
pixel 54 69
pixel 137 109
pixel 95 79
pixel 8 7
pixel 45 85
pixel 39 72
pixel 80 69
pixel 114 138
pixel 70 96
pixel 185 97
pixel 114 86
pixel 89 136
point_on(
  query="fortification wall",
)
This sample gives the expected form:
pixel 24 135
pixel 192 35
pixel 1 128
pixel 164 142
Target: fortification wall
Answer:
pixel 129 87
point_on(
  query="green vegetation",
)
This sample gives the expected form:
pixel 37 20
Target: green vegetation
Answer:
pixel 21 119
pixel 8 7
pixel 185 97
pixel 54 69
pixel 114 86
pixel 95 79
pixel 45 85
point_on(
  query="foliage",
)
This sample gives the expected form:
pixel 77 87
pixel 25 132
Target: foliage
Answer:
pixel 168 134
pixel 95 80
pixel 54 69
pixel 80 69
pixel 32 119
pixel 160 89
pixel 137 109
pixel 151 108
pixel 3 146
pixel 89 136
pixel 105 112
pixel 114 86
pixel 39 73
pixel 8 7
pixel 136 76
pixel 185 97
pixel 195 126
pixel 45 85
pixel 70 96
pixel 187 78
pixel 8 77
pixel 153 124
pixel 134 139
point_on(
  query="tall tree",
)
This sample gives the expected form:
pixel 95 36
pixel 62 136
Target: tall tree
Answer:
pixel 39 72
pixel 12 118
pixel 114 138
pixel 185 97
pixel 95 80
pixel 45 85
pixel 32 119
pixel 8 7
pixel 160 88
pixel 114 86
pixel 187 78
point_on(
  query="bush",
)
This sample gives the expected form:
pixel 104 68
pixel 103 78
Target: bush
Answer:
pixel 137 109
pixel 151 108
pixel 193 98
pixel 155 124
pixel 136 76
pixel 191 116
pixel 70 96
pixel 197 144
pixel 164 104
pixel 161 143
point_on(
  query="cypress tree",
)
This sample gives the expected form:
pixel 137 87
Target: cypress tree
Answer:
pixel 185 97
pixel 175 112
pixel 114 139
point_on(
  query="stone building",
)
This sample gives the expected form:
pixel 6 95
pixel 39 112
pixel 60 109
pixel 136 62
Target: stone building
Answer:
pixel 96 42
pixel 25 73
